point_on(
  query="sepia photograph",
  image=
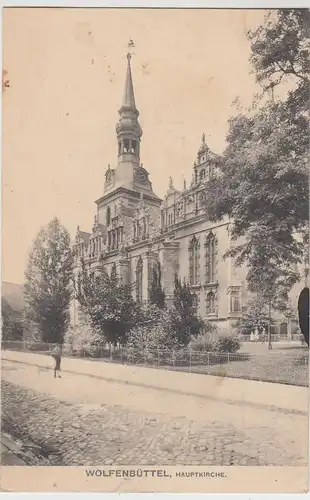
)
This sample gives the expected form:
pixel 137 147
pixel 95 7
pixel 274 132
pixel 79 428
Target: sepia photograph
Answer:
pixel 155 249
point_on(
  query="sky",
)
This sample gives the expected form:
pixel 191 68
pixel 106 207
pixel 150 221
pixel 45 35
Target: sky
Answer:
pixel 67 72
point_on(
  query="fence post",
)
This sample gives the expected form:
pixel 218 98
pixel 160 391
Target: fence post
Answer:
pixel 144 354
pixel 157 357
pixel 208 358
pixel 228 357
pixel 190 359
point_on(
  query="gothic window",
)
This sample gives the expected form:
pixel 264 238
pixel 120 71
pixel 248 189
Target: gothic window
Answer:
pixel 108 216
pixel 126 146
pixel 144 226
pixel 202 174
pixel 235 305
pixel 210 245
pixel 194 261
pixel 139 276
pixel 210 305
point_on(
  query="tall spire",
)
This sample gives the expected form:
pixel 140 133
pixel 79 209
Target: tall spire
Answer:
pixel 129 96
pixel 128 129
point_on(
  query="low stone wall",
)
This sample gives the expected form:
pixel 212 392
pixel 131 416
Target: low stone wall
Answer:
pixel 287 398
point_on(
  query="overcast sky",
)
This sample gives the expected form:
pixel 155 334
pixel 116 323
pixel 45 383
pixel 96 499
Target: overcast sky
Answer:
pixel 67 70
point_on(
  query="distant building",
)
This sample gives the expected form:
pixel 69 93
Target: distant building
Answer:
pixel 133 228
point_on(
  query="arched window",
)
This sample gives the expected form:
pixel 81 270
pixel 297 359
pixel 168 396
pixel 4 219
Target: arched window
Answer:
pixel 235 305
pixel 126 146
pixel 139 277
pixel 210 305
pixel 119 148
pixel 210 245
pixel 202 174
pixel 194 261
pixel 108 216
pixel 133 146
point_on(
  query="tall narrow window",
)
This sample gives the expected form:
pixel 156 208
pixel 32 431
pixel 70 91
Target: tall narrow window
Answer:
pixel 195 302
pixel 139 277
pixel 235 305
pixel 210 305
pixel 108 215
pixel 210 245
pixel 119 148
pixel 194 261
pixel 126 146
pixel 133 146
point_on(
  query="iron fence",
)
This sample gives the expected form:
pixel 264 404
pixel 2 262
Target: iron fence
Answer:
pixel 273 366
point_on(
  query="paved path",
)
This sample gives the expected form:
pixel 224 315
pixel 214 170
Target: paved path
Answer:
pixel 87 421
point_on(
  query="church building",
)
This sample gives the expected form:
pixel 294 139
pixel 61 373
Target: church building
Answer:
pixel 133 228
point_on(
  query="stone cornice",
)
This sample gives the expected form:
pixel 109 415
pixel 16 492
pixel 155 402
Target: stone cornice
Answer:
pixel 135 194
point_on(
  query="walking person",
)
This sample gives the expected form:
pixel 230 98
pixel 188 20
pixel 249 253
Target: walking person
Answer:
pixel 56 353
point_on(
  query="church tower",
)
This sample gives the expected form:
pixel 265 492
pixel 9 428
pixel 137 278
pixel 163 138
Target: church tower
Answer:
pixel 129 181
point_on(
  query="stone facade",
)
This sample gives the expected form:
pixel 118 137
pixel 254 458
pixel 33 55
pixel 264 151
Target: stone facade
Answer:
pixel 133 228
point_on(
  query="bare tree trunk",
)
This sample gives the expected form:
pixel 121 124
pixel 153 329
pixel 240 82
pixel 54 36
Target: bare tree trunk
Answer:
pixel 269 328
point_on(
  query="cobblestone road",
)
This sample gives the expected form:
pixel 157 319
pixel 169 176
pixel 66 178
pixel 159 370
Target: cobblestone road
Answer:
pixel 77 420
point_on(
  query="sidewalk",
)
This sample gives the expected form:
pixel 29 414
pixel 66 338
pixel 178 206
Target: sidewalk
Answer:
pixel 262 394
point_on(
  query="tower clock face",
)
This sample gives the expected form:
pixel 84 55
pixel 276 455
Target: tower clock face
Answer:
pixel 141 175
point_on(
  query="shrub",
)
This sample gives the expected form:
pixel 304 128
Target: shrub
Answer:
pixel 227 343
pixel 83 340
pixel 202 343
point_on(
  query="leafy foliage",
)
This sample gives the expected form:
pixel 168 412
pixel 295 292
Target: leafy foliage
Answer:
pixel 185 322
pixel 47 287
pixel 83 339
pixel 157 294
pixel 107 302
pixel 263 184
pixel 227 343
pixel 254 316
pixel 280 46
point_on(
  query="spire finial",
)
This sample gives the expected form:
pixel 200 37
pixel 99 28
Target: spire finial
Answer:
pixel 129 98
pixel 203 138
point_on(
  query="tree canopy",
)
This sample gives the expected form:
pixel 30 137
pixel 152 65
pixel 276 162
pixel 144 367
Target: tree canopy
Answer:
pixel 262 183
pixel 47 287
pixel 107 302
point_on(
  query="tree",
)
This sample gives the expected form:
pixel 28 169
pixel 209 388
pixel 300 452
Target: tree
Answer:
pixel 280 47
pixel 262 183
pixel 47 287
pixel 254 316
pixel 185 323
pixel 157 294
pixel 107 302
